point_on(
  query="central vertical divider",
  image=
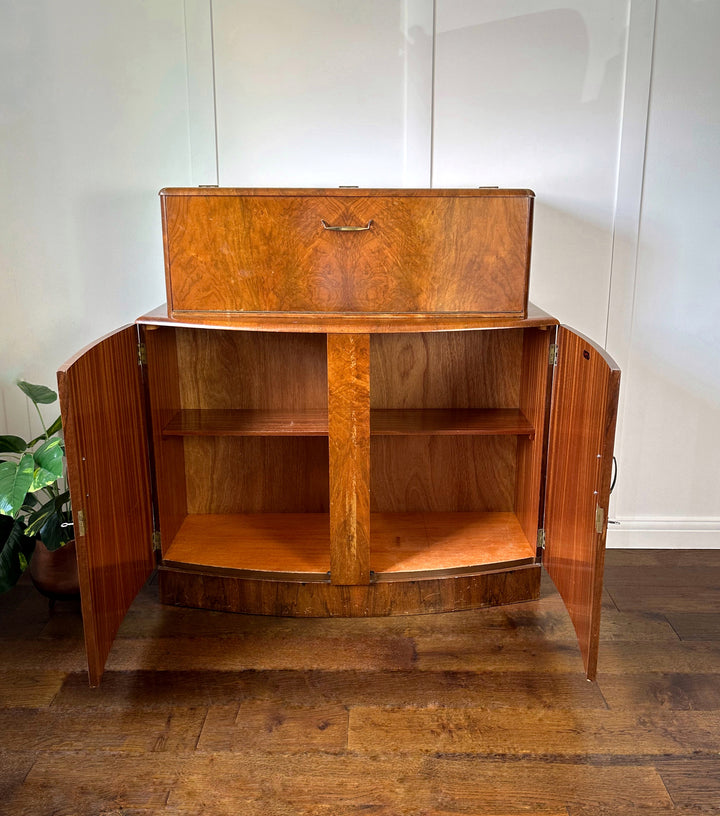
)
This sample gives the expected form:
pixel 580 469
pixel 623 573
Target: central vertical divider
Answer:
pixel 348 363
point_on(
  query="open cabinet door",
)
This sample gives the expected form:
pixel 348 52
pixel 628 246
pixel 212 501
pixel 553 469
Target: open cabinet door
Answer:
pixel 108 474
pixel 582 432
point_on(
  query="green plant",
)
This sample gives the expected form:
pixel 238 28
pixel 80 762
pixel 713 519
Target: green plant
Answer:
pixel 32 503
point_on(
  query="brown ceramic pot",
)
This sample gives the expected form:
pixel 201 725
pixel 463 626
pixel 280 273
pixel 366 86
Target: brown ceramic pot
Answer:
pixel 54 573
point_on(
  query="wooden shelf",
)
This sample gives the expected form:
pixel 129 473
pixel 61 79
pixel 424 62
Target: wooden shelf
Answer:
pixel 438 542
pixel 298 544
pixel 451 422
pixel 247 422
pixel 383 422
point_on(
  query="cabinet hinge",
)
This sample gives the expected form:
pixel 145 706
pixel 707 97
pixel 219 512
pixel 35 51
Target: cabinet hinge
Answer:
pixel 142 354
pixel 599 519
pixel 553 354
pixel 541 539
pixel 156 541
pixel 81 522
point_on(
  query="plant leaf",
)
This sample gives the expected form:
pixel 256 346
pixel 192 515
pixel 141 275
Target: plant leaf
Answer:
pixel 15 552
pixel 15 481
pixel 57 507
pixel 49 456
pixel 55 427
pixel 39 394
pixel 13 444
pixel 51 533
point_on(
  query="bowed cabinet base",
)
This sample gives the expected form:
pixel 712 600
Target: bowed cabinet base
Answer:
pixel 314 599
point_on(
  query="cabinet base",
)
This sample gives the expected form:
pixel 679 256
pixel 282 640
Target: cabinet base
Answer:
pixel 226 593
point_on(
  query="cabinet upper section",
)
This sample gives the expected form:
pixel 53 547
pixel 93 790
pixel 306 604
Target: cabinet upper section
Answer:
pixel 347 251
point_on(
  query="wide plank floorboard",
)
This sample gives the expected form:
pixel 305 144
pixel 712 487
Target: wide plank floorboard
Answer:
pixel 481 713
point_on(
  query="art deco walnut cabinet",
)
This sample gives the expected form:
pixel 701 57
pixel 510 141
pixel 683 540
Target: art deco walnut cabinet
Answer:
pixel 347 408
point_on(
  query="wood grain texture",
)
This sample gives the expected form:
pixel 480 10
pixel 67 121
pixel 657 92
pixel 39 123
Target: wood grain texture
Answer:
pixel 247 422
pixel 30 689
pixel 259 251
pixel 349 444
pixel 202 712
pixel 274 474
pixel 531 450
pixel 228 593
pixel 415 474
pixel 450 422
pixel 348 323
pixel 104 421
pixel 287 543
pixel 168 455
pixel 316 687
pixel 582 431
pixel 576 733
pixel 383 422
pixel 226 370
pixel 283 543
pixel 270 725
pixel 446 370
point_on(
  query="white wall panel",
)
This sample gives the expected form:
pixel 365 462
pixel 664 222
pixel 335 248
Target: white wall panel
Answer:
pixel 670 466
pixel 324 93
pixel 93 118
pixel 528 93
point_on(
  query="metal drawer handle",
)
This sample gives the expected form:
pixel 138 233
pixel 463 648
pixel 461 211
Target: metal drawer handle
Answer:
pixel 345 229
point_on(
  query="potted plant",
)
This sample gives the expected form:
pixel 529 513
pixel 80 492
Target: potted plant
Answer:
pixel 35 516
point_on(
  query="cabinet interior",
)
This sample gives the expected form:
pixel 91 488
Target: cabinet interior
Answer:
pixel 240 442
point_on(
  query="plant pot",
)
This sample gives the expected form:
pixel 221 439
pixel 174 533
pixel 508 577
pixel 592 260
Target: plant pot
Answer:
pixel 54 573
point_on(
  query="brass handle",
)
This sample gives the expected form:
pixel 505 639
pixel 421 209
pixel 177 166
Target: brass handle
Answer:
pixel 345 229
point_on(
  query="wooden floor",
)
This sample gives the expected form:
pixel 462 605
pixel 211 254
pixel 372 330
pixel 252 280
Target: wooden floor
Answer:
pixel 465 713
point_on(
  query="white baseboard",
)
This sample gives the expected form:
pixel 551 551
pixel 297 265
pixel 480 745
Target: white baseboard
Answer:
pixel 664 534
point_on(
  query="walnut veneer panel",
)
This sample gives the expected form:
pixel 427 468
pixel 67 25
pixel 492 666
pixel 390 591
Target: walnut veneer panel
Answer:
pixel 422 251
pixel 582 431
pixel 255 370
pixel 252 474
pixel 443 473
pixel 228 593
pixel 349 446
pixel 104 422
pixel 466 369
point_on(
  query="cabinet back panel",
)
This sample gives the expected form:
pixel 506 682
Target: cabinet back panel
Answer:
pixel 467 369
pixel 229 369
pixel 256 474
pixel 442 474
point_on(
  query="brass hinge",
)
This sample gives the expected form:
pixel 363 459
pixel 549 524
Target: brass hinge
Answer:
pixel 599 519
pixel 81 522
pixel 156 540
pixel 541 539
pixel 553 354
pixel 142 354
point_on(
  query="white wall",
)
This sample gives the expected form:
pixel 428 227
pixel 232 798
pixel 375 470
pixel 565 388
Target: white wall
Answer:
pixel 324 93
pixel 94 118
pixel 104 103
pixel 670 335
